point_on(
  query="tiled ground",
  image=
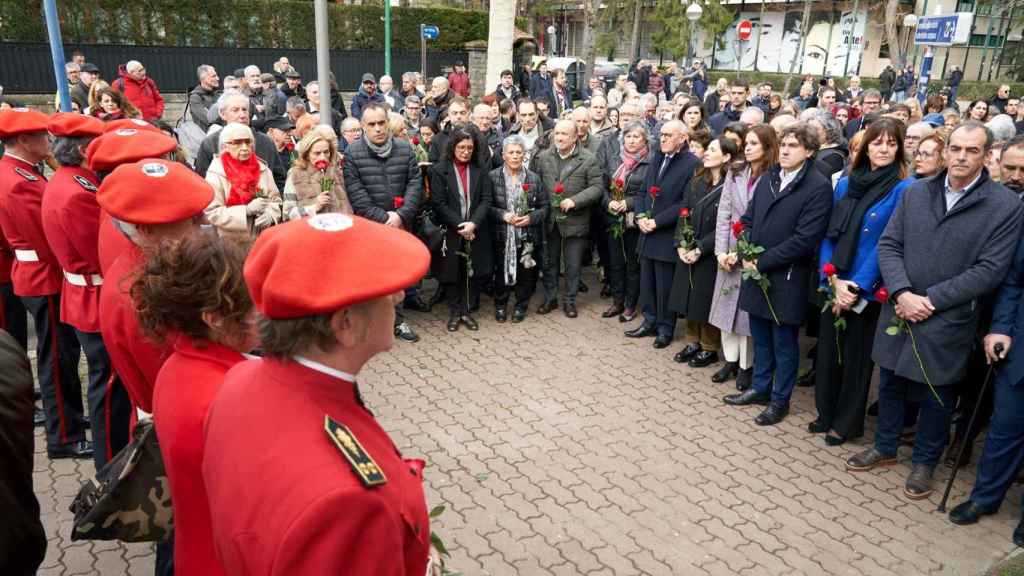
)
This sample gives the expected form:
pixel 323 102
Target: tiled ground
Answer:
pixel 560 447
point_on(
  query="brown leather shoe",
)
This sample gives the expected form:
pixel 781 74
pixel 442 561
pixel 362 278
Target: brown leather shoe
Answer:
pixel 869 460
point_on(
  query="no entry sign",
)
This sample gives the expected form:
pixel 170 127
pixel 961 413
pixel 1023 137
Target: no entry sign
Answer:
pixel 744 30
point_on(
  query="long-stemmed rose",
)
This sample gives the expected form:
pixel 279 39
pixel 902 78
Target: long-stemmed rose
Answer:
pixel 618 195
pixel 653 192
pixel 325 183
pixel 556 201
pixel 901 325
pixel 750 252
pixel 290 147
pixel 829 270
pixel 685 236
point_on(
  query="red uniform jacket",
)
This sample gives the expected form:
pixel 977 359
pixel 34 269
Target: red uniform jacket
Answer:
pixel 71 220
pixel 185 387
pixel 112 243
pixel 36 272
pixel 6 259
pixel 286 501
pixel 135 357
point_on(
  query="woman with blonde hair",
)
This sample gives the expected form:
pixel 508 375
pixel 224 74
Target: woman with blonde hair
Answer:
pixel 916 113
pixel 397 126
pixel 245 198
pixel 314 182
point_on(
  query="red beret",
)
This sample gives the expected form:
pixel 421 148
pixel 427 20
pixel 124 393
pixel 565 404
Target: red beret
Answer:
pixel 327 262
pixel 154 191
pixel 130 124
pixel 20 121
pixel 73 124
pixel 125 146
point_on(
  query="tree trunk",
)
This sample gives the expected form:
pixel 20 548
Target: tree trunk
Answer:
pixel 896 57
pixel 634 40
pixel 805 25
pixel 590 14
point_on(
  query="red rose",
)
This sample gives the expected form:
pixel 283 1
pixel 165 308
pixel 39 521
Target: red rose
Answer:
pixel 684 212
pixel 320 165
pixel 829 269
pixel 882 295
pixel 290 146
pixel 737 228
pixel 654 191
pixel 619 182
pixel 399 202
pixel 526 186
pixel 559 189
pixel 415 141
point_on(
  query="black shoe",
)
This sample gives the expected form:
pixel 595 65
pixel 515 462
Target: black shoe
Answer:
pixel 641 331
pixel 81 449
pixel 919 482
pixel 1018 535
pixel 583 288
pixel 613 310
pixel 404 333
pixel 37 395
pixel 834 440
pixel 547 307
pixel 873 409
pixel 744 379
pixel 628 315
pixel 704 358
pixel 606 290
pixel 469 322
pixel 518 315
pixel 570 311
pixel 39 419
pixel 772 415
pixel 453 323
pixel 968 513
pixel 437 298
pixel 817 427
pixel 416 305
pixel 747 397
pixel 662 341
pixel 806 380
pixel 688 352
pixel 500 314
pixel 726 372
pixel 869 460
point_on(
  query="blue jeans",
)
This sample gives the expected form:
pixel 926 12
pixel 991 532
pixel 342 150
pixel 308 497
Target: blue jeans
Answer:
pixel 1004 446
pixel 932 425
pixel 776 352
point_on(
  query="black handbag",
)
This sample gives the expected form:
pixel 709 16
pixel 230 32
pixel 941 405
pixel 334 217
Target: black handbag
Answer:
pixel 430 233
pixel 130 499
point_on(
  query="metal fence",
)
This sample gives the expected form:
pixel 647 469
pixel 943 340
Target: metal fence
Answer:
pixel 27 68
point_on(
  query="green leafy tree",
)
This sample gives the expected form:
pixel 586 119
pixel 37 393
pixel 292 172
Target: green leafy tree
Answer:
pixel 669 19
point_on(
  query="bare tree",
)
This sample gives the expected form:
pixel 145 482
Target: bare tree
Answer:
pixel 896 55
pixel 590 22
pixel 634 38
pixel 805 25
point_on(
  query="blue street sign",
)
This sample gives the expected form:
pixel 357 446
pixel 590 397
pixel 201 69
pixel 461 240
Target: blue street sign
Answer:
pixel 430 32
pixel 943 30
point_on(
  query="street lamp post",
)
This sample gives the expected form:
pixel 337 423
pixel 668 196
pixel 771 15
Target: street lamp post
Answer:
pixel 909 23
pixel 551 40
pixel 693 13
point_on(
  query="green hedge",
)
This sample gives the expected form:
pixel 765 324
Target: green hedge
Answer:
pixel 237 23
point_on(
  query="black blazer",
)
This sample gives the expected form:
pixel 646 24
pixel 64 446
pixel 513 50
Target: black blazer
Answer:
pixel 660 244
pixel 789 223
pixel 447 209
pixel 695 302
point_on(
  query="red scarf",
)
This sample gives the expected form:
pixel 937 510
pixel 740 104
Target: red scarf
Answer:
pixel 243 176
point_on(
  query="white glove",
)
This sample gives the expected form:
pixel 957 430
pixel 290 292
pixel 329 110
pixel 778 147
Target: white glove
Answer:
pixel 255 206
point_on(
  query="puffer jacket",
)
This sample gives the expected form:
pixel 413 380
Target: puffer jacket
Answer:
pixel 373 182
pixel 143 95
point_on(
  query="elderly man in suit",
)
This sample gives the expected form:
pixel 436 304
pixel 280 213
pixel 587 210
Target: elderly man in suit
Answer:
pixel 657 209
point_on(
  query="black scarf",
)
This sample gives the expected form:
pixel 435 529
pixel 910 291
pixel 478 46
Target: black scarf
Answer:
pixel 864 189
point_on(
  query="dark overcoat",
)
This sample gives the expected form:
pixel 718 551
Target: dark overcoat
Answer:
pixel 447 213
pixel 673 182
pixel 695 302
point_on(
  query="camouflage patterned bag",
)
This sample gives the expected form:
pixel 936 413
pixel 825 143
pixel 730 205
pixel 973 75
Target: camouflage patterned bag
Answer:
pixel 130 499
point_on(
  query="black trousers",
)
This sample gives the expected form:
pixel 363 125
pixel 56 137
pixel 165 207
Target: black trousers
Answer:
pixel 841 390
pixel 57 355
pixel 624 267
pixel 655 287
pixel 557 249
pixel 110 408
pixel 598 233
pixel 13 316
pixel 525 286
pixel 461 293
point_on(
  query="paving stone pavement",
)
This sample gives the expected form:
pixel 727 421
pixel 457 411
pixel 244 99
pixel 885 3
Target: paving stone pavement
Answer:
pixel 559 447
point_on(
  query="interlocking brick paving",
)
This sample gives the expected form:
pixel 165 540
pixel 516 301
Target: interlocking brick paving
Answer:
pixel 560 447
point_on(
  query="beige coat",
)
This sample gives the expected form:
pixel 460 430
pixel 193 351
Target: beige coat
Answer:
pixel 233 220
pixel 303 187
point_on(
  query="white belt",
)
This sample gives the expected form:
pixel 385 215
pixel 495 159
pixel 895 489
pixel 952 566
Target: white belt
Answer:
pixel 26 255
pixel 82 280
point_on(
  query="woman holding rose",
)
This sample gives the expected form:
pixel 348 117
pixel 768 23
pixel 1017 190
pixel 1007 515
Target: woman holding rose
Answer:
pixel 315 183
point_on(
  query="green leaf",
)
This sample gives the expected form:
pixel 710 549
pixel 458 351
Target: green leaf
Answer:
pixel 436 511
pixel 840 323
pixel 892 330
pixel 439 544
pixel 482 476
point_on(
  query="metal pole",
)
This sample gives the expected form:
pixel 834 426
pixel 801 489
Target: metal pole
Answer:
pixel 967 52
pixel 853 34
pixel 57 53
pixel 323 64
pixel 828 45
pixel 924 12
pixel 423 53
pixel 984 49
pixel 1006 32
pixel 387 37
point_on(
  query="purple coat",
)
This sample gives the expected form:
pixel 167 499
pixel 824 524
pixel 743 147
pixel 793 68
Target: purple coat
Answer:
pixel 725 312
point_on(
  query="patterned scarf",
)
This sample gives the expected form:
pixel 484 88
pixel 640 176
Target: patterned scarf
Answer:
pixel 513 192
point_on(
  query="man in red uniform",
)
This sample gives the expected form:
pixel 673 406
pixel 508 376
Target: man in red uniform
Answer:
pixel 71 220
pixel 152 214
pixel 37 280
pixel 300 477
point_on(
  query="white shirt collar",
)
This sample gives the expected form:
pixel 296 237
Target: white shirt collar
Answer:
pixel 965 188
pixel 324 369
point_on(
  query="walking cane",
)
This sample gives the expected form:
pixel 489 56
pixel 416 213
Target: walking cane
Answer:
pixel 970 425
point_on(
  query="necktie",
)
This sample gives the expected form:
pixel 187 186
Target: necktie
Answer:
pixel 664 164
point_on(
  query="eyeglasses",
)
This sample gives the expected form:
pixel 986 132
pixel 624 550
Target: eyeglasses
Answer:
pixel 922 154
pixel 240 142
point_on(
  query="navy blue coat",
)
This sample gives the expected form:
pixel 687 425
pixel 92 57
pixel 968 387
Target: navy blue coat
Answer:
pixel 1008 315
pixel 660 244
pixel 789 223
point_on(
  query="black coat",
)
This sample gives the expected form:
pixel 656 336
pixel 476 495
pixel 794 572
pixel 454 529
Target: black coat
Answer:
pixel 444 199
pixel 538 202
pixel 718 122
pixel 660 244
pixel 372 183
pixel 695 303
pixel 789 223
pixel 609 158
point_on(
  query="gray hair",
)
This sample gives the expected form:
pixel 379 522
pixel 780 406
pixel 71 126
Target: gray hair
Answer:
pixel 232 131
pixel 295 102
pixel 203 70
pixel 72 67
pixel 648 98
pixel 133 65
pixel 971 126
pixel 1002 127
pixel 751 111
pixel 410 76
pixel 350 123
pixel 514 140
pixel 833 129
pixel 252 69
pixel 68 151
pixel 640 127
pixel 228 96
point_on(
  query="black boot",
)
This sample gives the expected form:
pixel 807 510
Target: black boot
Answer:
pixel 726 372
pixel 744 379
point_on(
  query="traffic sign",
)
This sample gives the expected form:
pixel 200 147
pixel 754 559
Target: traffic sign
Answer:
pixel 431 32
pixel 944 30
pixel 744 30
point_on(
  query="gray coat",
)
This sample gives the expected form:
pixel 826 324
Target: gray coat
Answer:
pixel 373 182
pixel 952 258
pixel 581 178
pixel 725 311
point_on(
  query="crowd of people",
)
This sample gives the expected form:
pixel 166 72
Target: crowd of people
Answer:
pixel 887 230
